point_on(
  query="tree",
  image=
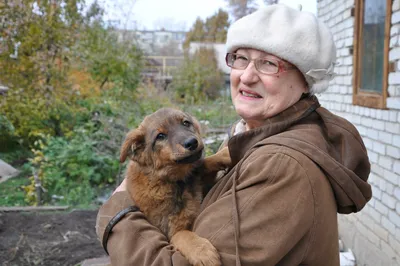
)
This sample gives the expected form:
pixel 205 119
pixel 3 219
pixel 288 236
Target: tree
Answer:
pixel 241 8
pixel 216 27
pixel 35 58
pixel 196 33
pixel 41 42
pixel 213 30
pixel 198 77
pixel 271 2
pixel 109 57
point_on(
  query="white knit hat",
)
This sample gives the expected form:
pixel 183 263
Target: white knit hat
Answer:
pixel 293 35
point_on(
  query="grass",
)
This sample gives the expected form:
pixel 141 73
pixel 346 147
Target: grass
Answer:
pixel 11 191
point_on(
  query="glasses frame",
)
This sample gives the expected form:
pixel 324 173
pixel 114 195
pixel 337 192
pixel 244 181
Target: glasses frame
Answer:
pixel 281 66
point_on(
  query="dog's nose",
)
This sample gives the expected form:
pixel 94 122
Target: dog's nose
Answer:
pixel 191 144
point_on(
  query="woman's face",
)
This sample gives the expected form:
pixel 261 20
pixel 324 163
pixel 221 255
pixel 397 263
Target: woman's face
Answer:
pixel 257 96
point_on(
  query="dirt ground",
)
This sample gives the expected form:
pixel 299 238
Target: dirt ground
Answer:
pixel 48 238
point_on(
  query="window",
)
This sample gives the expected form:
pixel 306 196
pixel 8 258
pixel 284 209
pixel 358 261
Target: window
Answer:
pixel 371 47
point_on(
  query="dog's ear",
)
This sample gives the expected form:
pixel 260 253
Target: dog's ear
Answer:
pixel 133 144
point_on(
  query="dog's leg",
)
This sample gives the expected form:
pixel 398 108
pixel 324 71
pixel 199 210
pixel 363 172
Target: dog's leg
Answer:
pixel 197 250
pixel 215 163
pixel 218 161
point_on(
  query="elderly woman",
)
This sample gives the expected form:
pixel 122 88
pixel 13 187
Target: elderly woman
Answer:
pixel 296 165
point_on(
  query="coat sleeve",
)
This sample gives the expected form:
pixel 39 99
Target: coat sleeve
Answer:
pixel 275 206
pixel 276 210
pixel 133 240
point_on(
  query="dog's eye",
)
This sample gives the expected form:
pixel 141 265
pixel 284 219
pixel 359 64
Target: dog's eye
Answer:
pixel 186 123
pixel 161 136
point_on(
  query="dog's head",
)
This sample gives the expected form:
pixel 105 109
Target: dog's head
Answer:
pixel 168 140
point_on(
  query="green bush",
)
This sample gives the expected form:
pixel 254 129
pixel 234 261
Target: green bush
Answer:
pixel 71 170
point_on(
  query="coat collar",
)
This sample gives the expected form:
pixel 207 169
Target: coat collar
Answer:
pixel 240 143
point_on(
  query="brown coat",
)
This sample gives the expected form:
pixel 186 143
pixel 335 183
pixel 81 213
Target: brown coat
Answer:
pixel 290 179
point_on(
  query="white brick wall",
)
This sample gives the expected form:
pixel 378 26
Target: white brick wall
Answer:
pixel 374 233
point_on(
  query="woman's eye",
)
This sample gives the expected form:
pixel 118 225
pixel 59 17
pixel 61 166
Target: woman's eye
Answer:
pixel 161 136
pixel 241 58
pixel 268 63
pixel 186 123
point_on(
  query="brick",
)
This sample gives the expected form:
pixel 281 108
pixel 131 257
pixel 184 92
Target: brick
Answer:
pixel 367 141
pixel 386 162
pixel 389 201
pixel 350 72
pixel 348 42
pixel 381 208
pixel 385 137
pixel 366 220
pixel 347 80
pixel 393 116
pixel 381 232
pixel 393 152
pixel 367 233
pixel 394 41
pixel 392 127
pixel 364 120
pixel 372 202
pixel 348 23
pixel 378 124
pixel 394 30
pixel 348 99
pixel 373 179
pixel 379 147
pixel 396 141
pixel 393 91
pixel 373 113
pixel 394 78
pixel 386 223
pixel 388 250
pixel 389 188
pixel 394 54
pixel 394 218
pixel 382 184
pixel 395 7
pixel 385 115
pixel 379 114
pixel 375 215
pixel 393 103
pixel 373 156
pixel 373 133
pixel 395 17
pixel 376 192
pixel 394 243
pixel 377 169
pixel 397 193
pixel 396 169
pixel 391 177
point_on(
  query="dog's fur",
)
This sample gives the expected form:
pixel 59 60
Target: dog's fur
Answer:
pixel 166 178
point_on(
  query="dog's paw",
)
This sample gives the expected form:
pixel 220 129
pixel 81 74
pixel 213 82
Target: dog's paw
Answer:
pixel 204 254
pixel 197 250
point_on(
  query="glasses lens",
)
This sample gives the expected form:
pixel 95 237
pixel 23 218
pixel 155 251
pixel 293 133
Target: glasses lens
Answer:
pixel 237 61
pixel 267 66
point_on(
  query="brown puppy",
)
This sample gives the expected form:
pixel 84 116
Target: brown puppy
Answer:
pixel 166 177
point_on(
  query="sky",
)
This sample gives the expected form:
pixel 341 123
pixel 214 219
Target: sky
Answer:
pixel 173 14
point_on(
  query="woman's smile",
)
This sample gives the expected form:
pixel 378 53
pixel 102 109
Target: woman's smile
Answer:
pixel 249 95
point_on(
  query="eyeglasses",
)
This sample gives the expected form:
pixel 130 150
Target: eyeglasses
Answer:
pixel 263 65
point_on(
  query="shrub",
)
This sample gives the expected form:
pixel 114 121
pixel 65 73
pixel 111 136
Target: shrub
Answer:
pixel 71 169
